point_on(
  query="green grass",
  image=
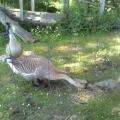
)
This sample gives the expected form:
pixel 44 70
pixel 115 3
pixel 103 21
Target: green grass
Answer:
pixel 20 101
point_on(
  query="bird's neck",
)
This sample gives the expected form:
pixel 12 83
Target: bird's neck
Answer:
pixel 13 68
pixel 13 40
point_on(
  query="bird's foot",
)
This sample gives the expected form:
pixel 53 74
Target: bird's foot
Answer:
pixel 39 84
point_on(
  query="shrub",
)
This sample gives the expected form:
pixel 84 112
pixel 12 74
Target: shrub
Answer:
pixel 40 5
pixel 80 17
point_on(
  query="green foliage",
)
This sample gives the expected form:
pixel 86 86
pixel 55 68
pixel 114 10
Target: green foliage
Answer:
pixel 3 42
pixel 2 28
pixel 85 17
pixel 45 5
pixel 40 5
pixel 2 39
pixel 107 22
pixel 82 16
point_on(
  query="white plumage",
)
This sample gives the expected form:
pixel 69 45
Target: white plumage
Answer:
pixel 13 48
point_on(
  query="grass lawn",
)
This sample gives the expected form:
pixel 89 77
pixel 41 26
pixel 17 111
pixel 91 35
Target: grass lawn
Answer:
pixel 94 57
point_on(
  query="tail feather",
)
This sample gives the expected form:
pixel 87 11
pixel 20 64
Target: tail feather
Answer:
pixel 71 81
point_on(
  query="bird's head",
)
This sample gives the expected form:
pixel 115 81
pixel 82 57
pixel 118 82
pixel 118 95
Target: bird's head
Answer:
pixel 9 29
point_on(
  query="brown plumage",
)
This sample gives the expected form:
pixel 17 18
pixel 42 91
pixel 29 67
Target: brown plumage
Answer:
pixel 33 66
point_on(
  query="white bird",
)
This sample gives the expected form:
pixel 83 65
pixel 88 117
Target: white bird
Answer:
pixel 36 67
pixel 13 48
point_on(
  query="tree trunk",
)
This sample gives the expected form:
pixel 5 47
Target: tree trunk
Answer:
pixel 17 29
pixel 101 7
pixel 78 1
pixel 66 5
pixel 33 5
pixel 21 9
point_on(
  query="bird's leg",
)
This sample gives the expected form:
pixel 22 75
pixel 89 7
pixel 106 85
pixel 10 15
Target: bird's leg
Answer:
pixel 35 83
pixel 42 83
pixel 38 83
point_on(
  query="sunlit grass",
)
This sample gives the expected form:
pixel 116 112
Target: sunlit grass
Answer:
pixel 20 101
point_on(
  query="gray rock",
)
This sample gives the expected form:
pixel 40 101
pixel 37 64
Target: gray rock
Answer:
pixel 107 84
pixel 93 88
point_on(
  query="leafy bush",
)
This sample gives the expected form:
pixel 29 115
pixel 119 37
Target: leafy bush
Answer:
pixel 80 17
pixel 40 5
pixel 3 38
pixel 107 22
pixel 45 6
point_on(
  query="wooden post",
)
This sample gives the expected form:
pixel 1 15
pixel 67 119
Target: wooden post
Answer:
pixel 33 5
pixel 101 7
pixel 21 10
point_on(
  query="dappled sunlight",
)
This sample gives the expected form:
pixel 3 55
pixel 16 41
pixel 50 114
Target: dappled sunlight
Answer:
pixel 102 52
pixel 68 48
pixel 76 48
pixel 118 79
pixel 85 96
pixel 28 53
pixel 83 57
pixel 115 48
pixel 57 5
pixel 74 67
pixel 82 97
pixel 117 39
pixel 91 45
pixel 116 110
pixel 75 61
pixel 63 48
pixel 40 49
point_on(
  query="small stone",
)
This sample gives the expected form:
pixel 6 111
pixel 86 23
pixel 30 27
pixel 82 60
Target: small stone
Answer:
pixel 107 84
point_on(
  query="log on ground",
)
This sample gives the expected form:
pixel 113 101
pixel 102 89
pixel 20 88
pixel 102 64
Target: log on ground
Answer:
pixel 17 29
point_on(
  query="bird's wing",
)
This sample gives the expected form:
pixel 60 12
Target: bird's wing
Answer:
pixel 28 64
